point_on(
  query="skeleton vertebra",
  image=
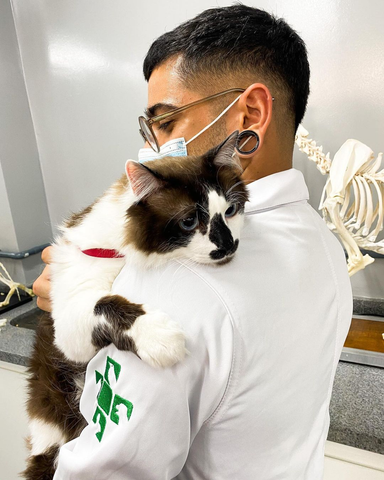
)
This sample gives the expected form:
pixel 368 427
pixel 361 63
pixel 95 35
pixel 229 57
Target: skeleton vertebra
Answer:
pixel 353 167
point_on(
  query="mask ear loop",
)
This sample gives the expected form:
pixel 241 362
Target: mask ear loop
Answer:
pixel 214 121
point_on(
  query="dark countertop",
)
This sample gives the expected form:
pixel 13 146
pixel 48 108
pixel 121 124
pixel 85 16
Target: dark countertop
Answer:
pixel 356 409
pixel 16 343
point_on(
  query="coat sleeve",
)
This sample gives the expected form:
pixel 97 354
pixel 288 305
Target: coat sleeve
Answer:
pixel 141 420
pixel 138 423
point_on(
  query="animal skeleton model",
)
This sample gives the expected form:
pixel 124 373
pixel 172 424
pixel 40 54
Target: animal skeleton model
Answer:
pixel 13 286
pixel 353 168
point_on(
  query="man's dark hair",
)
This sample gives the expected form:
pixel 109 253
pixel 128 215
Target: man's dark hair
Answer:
pixel 221 41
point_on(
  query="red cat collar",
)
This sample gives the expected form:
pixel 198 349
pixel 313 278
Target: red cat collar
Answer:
pixel 102 253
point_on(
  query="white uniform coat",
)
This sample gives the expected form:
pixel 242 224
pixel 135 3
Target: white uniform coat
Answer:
pixel 264 332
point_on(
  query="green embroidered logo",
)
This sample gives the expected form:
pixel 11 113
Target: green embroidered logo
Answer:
pixel 106 401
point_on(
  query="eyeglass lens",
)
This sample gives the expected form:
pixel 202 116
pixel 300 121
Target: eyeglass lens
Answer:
pixel 148 134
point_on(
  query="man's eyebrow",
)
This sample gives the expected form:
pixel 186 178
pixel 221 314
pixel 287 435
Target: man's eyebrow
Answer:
pixel 153 110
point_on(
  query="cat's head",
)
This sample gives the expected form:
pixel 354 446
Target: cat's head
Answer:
pixel 190 207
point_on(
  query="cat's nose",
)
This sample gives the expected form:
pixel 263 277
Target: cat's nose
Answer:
pixel 219 233
pixel 220 253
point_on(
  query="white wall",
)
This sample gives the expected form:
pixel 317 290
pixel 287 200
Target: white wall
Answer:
pixel 24 219
pixel 82 64
pixel 7 233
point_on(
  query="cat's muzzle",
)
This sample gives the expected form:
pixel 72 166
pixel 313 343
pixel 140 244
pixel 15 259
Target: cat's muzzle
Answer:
pixel 224 253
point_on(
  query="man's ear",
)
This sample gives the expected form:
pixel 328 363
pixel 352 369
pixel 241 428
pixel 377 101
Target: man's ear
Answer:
pixel 256 105
pixel 142 179
pixel 225 154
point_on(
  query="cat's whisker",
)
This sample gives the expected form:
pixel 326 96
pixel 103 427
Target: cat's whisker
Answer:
pixel 181 265
pixel 202 208
pixel 229 192
pixel 185 263
pixel 218 173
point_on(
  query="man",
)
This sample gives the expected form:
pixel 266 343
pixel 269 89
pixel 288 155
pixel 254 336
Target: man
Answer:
pixel 266 330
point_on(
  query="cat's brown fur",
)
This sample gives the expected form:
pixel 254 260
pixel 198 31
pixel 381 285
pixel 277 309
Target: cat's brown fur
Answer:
pixel 53 394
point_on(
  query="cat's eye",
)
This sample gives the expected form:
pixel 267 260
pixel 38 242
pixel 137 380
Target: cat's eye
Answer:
pixel 232 210
pixel 189 224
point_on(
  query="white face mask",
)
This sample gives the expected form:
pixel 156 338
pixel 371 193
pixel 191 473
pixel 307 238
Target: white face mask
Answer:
pixel 177 147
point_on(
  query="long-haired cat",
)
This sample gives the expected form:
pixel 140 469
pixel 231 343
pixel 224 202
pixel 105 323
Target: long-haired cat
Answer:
pixel 188 207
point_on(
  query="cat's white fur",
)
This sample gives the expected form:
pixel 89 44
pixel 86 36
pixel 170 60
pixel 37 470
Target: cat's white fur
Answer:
pixel 159 340
pixel 218 204
pixel 79 281
pixel 44 435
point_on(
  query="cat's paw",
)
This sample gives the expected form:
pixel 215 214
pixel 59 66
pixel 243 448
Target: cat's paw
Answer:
pixel 159 341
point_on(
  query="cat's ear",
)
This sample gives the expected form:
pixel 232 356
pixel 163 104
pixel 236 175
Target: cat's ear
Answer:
pixel 142 179
pixel 225 153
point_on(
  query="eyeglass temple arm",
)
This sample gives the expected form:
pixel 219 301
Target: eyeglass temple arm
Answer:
pixel 185 107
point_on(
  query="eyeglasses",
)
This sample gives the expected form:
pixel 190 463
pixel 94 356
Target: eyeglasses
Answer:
pixel 145 124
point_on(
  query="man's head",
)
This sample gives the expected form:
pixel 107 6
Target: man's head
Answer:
pixel 223 48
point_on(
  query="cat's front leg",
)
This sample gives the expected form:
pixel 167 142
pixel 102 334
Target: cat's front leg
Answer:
pixel 150 334
pixel 42 466
pixel 78 282
pixel 44 442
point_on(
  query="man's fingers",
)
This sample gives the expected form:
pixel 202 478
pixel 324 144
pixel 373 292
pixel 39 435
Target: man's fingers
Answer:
pixel 42 288
pixel 44 304
pixel 46 255
pixel 42 285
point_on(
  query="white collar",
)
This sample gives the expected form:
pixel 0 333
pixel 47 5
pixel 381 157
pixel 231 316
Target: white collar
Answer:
pixel 277 189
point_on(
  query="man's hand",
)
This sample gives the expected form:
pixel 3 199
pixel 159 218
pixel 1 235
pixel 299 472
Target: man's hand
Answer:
pixel 42 285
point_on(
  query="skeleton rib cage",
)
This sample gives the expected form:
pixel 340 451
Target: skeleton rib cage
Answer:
pixel 353 169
